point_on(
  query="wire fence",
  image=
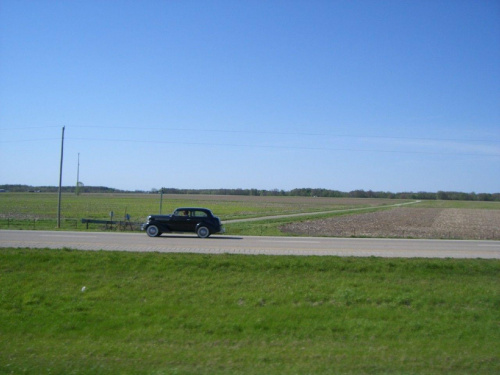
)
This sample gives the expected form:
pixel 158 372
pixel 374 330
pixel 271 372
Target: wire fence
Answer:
pixel 69 224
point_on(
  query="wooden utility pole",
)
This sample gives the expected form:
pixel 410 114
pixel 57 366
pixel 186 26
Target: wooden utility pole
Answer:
pixel 161 199
pixel 60 182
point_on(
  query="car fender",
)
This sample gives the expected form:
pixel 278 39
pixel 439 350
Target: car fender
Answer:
pixel 202 224
pixel 161 225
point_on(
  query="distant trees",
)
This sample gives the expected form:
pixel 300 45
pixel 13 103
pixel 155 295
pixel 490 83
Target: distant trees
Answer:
pixel 64 189
pixel 302 192
pixel 459 196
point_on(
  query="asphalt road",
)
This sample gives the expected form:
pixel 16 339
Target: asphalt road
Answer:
pixel 252 245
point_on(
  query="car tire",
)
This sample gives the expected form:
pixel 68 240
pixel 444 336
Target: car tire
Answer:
pixel 153 231
pixel 203 232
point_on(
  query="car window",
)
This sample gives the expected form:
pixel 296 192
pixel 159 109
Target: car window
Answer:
pixel 200 214
pixel 181 213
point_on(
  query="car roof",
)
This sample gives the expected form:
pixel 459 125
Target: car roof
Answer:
pixel 192 208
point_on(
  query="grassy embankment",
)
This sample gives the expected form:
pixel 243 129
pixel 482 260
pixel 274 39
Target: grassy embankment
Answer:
pixel 198 314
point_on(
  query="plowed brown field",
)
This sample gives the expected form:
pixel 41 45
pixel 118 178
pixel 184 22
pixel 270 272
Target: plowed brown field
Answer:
pixel 407 223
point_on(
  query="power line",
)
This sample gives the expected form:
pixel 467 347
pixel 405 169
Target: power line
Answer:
pixel 29 140
pixel 238 145
pixel 31 127
pixel 288 133
pixel 280 147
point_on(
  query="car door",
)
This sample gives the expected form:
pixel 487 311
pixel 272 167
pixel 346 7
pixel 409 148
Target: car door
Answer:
pixel 191 221
pixel 197 216
pixel 180 221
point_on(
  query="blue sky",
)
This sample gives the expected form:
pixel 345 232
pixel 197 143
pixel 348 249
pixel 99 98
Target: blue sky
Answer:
pixel 381 95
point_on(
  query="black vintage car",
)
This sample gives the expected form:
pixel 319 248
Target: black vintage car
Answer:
pixel 184 219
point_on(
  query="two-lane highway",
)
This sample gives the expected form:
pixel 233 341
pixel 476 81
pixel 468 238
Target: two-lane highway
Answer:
pixel 363 247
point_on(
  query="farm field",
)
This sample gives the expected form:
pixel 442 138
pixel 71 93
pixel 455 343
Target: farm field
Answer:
pixel 74 312
pixel 426 219
pixel 138 206
pixel 408 222
pixel 40 209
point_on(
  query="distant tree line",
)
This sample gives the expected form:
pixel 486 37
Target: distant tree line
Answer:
pixel 326 193
pixel 303 192
pixel 55 189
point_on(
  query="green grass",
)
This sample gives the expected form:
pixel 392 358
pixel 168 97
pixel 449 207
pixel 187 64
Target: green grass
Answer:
pixel 201 314
pixel 39 210
pixel 138 206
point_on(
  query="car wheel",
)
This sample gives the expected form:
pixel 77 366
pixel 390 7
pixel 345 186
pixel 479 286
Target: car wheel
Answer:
pixel 153 231
pixel 203 232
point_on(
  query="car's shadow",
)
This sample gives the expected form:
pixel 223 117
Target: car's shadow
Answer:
pixel 167 236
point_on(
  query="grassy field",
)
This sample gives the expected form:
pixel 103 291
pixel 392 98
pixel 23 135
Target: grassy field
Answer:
pixel 197 314
pixel 39 210
pixel 138 206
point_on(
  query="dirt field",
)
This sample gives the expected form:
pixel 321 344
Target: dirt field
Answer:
pixel 407 223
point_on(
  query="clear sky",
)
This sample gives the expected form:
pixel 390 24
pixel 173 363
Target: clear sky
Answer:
pixel 383 95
